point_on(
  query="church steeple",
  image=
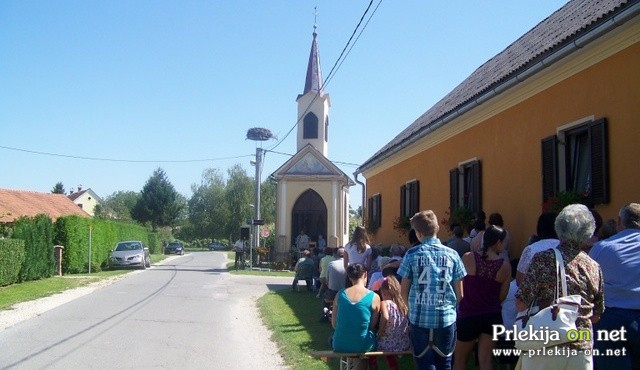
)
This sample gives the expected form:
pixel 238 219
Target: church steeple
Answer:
pixel 314 74
pixel 313 104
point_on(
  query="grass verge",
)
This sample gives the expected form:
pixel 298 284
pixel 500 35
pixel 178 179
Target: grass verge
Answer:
pixel 294 319
pixel 31 290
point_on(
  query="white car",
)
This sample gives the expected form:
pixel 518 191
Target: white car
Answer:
pixel 131 253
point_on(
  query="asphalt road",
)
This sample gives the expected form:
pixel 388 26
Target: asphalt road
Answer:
pixel 187 313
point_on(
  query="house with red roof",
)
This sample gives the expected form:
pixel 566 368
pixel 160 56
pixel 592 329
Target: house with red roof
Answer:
pixel 17 203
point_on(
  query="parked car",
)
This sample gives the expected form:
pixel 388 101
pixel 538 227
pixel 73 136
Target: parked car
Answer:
pixel 174 248
pixel 216 246
pixel 130 253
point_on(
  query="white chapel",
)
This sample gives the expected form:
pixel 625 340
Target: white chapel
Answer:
pixel 312 194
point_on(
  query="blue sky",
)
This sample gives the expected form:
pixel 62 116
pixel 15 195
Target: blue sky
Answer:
pixel 177 84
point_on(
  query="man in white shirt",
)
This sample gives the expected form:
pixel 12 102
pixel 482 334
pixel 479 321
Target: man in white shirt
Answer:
pixel 302 241
pixel 336 275
pixel 239 248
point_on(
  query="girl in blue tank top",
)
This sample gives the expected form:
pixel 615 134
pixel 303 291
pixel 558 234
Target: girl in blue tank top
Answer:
pixel 355 314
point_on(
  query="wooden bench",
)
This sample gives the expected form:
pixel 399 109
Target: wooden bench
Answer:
pixel 349 360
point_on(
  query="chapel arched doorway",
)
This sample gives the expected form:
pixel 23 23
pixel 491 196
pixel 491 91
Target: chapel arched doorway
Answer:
pixel 309 213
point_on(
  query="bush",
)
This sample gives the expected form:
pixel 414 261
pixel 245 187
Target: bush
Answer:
pixel 37 234
pixel 11 260
pixel 157 239
pixel 72 232
pixel 204 243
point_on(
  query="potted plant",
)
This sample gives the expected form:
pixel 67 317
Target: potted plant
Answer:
pixel 563 199
pixel 402 225
pixel 461 216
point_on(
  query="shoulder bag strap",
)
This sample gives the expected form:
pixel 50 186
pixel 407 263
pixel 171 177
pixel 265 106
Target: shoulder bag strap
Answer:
pixel 562 277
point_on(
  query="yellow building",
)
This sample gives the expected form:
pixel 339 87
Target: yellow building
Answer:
pixel 86 199
pixel 558 110
pixel 312 194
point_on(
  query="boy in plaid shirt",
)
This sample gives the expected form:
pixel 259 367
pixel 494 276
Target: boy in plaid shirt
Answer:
pixel 432 287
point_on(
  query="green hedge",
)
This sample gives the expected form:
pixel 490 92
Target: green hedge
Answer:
pixel 157 240
pixel 11 259
pixel 72 232
pixel 37 234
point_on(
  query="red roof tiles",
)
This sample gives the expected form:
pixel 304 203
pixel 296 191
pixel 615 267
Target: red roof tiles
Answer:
pixel 17 203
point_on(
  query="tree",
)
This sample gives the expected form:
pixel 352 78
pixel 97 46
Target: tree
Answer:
pixel 159 203
pixel 207 207
pixel 239 198
pixel 268 202
pixel 218 208
pixel 355 218
pixel 118 205
pixel 58 188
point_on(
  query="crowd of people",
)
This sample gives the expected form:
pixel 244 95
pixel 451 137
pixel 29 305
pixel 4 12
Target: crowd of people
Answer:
pixel 442 301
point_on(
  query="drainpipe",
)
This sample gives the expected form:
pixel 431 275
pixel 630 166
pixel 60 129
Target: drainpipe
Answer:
pixel 364 188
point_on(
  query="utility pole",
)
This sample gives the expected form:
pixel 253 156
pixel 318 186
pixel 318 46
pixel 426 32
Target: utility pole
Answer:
pixel 90 227
pixel 257 134
pixel 256 203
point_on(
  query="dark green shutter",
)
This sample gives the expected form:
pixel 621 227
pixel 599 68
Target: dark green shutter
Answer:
pixel 454 189
pixel 599 162
pixel 549 148
pixel 476 189
pixel 414 193
pixel 378 208
pixel 403 200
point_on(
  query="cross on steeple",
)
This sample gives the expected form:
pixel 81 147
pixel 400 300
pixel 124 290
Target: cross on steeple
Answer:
pixel 315 18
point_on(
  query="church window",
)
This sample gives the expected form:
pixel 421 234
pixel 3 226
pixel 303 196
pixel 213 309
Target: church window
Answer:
pixel 310 126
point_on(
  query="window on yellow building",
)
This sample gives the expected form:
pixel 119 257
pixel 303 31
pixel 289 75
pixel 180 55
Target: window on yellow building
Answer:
pixel 374 212
pixel 410 198
pixel 576 159
pixel 465 186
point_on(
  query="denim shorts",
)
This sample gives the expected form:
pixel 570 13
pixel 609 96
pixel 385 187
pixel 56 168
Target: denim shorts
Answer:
pixel 432 348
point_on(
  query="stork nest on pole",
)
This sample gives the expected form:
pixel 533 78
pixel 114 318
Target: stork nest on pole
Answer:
pixel 259 134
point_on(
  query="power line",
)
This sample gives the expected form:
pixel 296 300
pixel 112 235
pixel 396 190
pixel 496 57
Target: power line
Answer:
pixel 338 62
pixel 336 162
pixel 148 161
pixel 346 50
pixel 123 160
pixel 358 37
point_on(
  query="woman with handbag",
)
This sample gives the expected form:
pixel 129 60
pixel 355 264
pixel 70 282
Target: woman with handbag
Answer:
pixel 582 277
